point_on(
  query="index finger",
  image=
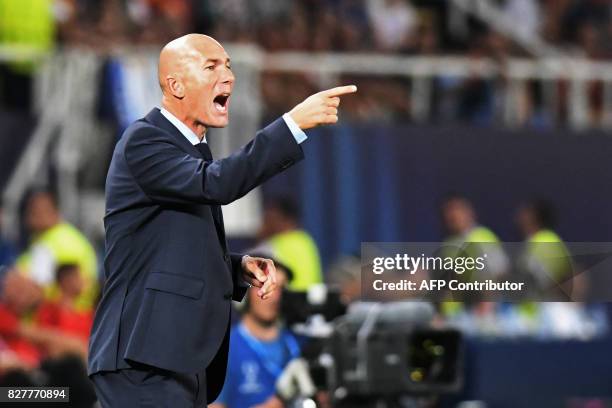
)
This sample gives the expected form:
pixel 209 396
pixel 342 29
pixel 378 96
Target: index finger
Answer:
pixel 257 272
pixel 339 90
pixel 271 270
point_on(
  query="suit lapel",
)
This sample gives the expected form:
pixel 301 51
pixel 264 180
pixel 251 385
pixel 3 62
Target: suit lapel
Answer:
pixel 156 118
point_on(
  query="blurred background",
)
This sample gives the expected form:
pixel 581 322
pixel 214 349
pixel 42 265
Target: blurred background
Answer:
pixel 475 121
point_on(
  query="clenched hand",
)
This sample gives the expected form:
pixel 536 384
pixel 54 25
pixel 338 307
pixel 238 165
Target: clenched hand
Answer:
pixel 260 273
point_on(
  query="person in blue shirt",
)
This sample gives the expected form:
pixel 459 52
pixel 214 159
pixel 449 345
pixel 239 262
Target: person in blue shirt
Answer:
pixel 260 348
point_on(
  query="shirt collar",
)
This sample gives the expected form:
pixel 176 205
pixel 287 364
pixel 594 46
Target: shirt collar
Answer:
pixel 185 131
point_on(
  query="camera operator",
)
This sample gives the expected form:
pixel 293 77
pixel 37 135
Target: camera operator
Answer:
pixel 260 349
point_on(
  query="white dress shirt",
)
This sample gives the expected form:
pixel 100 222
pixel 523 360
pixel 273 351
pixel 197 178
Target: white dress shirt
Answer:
pixel 183 128
pixel 297 133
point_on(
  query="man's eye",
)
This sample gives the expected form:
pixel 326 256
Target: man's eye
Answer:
pixel 210 67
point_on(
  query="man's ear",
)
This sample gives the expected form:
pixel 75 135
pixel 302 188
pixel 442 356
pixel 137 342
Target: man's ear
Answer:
pixel 176 87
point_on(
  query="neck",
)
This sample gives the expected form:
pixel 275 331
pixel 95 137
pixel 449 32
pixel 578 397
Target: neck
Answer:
pixel 260 330
pixel 531 231
pixel 196 127
pixel 67 300
pixel 288 226
pixel 49 225
pixel 468 229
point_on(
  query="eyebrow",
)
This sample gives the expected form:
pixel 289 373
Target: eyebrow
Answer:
pixel 216 60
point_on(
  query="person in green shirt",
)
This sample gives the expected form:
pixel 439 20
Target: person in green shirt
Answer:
pixel 55 242
pixel 289 243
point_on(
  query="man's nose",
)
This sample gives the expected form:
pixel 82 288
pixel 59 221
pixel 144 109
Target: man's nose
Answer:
pixel 227 77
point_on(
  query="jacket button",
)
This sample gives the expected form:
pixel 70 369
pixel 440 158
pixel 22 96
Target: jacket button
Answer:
pixel 226 257
pixel 227 296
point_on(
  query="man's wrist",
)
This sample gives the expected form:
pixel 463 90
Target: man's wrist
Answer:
pixel 297 133
pixel 243 262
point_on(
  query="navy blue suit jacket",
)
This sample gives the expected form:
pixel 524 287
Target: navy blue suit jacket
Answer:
pixel 169 279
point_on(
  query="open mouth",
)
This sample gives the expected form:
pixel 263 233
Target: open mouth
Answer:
pixel 221 102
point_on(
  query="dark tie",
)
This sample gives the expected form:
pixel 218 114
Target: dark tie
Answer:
pixel 204 150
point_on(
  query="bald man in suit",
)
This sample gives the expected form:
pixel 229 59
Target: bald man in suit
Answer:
pixel 160 335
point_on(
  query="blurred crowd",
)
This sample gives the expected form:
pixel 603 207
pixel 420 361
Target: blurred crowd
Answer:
pixel 395 26
pixel 581 28
pixel 47 299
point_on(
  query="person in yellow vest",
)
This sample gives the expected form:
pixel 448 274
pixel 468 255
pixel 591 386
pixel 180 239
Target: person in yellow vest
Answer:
pixel 55 242
pixel 27 31
pixel 289 243
pixel 27 25
pixel 466 237
pixel 464 231
pixel 545 258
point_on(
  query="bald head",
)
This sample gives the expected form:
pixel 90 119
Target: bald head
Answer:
pixel 196 80
pixel 176 56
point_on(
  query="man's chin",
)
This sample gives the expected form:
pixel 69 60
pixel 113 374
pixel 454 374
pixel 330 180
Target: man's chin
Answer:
pixel 219 123
pixel 265 321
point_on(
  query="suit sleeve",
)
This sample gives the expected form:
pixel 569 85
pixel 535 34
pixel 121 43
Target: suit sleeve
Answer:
pixel 167 174
pixel 240 286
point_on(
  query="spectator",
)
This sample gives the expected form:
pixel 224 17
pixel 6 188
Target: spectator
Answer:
pixel 528 13
pixel 260 348
pixel 461 224
pixel 60 314
pixel 29 27
pixel 19 297
pixel 9 360
pixel 546 259
pixel 323 36
pixel 29 342
pixel 160 20
pixel 56 242
pixel 268 11
pixel 467 237
pixel 289 243
pixel 394 23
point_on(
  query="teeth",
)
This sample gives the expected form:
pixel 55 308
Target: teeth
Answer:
pixel 220 107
